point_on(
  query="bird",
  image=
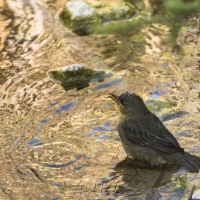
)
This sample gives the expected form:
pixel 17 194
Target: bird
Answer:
pixel 145 138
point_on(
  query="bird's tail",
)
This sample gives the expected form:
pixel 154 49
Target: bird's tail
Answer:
pixel 191 163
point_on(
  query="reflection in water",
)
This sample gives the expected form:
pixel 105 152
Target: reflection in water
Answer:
pixel 79 167
pixel 174 115
pixel 65 107
pixel 54 104
pixel 63 165
pixel 156 93
pixel 16 143
pixel 57 184
pixel 155 176
pixel 164 64
pixel 45 121
pixel 109 84
pixel 34 142
pixel 138 181
pixel 44 132
pixel 105 128
pixel 105 137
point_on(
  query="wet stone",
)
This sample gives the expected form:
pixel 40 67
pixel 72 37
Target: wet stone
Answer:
pixel 80 15
pixel 76 76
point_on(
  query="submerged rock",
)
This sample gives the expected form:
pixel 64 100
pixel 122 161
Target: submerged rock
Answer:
pixel 76 76
pixel 80 15
pixel 159 105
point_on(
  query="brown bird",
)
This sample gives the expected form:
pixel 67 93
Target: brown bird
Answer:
pixel 145 138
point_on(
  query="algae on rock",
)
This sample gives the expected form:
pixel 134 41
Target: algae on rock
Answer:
pixel 79 15
pixel 76 76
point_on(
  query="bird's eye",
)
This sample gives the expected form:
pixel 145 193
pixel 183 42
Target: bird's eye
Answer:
pixel 121 102
pixel 121 99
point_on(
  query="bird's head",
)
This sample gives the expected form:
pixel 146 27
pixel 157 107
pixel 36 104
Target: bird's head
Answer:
pixel 130 104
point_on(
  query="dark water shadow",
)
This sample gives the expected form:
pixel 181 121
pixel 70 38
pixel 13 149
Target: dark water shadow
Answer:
pixel 138 181
pixel 144 177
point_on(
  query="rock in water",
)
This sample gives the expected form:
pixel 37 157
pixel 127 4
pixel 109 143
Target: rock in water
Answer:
pixel 76 76
pixel 80 15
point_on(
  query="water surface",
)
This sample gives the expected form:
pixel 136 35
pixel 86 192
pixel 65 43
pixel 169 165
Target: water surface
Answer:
pixel 58 144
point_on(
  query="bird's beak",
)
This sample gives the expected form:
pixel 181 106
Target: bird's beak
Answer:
pixel 114 97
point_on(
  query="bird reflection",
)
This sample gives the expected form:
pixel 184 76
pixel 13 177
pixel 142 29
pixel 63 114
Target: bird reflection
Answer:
pixel 142 176
pixel 131 178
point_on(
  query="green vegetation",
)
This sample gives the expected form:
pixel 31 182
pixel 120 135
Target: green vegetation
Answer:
pixel 120 27
pixel 65 16
pixel 178 13
pixel 183 181
pixel 181 10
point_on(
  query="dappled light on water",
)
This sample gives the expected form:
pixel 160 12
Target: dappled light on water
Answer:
pixel 63 144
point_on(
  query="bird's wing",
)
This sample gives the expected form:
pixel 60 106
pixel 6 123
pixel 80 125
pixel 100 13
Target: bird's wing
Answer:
pixel 149 131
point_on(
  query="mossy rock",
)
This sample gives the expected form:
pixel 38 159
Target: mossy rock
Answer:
pixel 122 27
pixel 112 12
pixel 80 16
pixel 76 76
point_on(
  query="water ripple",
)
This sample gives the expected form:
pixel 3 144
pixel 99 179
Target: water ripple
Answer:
pixel 65 107
pixel 109 84
pixel 64 164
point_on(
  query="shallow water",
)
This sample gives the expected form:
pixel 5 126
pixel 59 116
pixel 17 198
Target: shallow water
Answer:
pixel 58 144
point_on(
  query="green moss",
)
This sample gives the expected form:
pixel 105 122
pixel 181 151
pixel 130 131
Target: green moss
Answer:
pixel 117 12
pixel 119 27
pixel 180 9
pixel 78 78
pixel 79 24
pixel 158 105
pixel 138 38
pixel 183 181
pixel 103 13
pixel 65 17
